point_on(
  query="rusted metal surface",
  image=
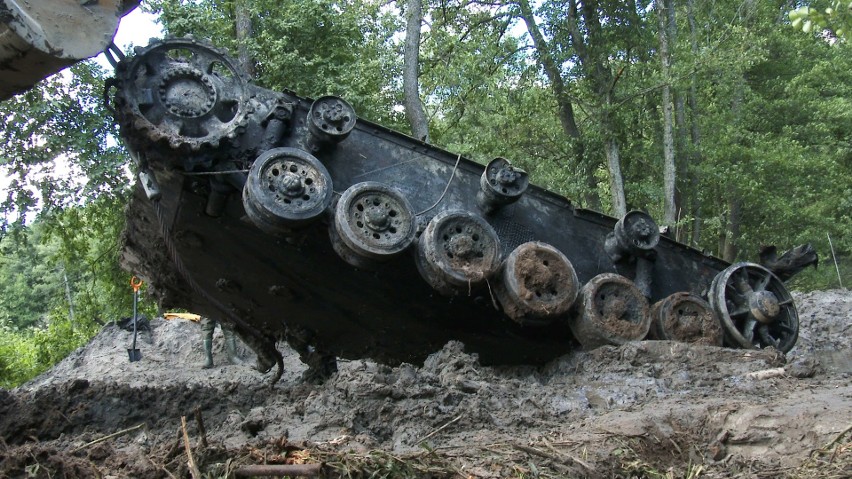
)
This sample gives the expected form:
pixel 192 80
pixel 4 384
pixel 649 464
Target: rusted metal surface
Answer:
pixel 537 284
pixel 351 240
pixel 612 310
pixel 41 37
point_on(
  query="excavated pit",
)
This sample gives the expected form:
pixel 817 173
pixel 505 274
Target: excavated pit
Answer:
pixel 590 414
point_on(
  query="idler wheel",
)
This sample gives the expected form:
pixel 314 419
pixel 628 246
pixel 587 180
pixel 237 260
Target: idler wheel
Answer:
pixel 372 223
pixel 537 284
pixel 183 93
pixel 687 318
pixel 754 307
pixel 612 310
pixel 286 189
pixel 457 252
pixel 331 119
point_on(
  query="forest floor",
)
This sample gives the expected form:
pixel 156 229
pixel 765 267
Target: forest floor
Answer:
pixel 645 409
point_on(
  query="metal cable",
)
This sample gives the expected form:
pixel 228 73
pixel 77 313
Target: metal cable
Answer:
pixel 212 173
pixel 446 188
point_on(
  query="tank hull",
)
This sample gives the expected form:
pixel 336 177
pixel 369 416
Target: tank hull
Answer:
pixel 283 264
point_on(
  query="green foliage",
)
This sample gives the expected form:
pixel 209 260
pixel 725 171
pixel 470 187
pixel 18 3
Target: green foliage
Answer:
pixel 57 146
pixel 63 262
pixel 27 353
pixel 832 16
pixel 61 221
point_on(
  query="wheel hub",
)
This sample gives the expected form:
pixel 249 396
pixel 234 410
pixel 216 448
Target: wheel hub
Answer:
pixel 461 246
pixel 292 185
pixel 334 113
pixel 764 306
pixel 377 218
pixel 187 92
pixel 506 176
pixel 642 232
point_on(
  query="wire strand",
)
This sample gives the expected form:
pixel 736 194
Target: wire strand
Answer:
pixel 446 188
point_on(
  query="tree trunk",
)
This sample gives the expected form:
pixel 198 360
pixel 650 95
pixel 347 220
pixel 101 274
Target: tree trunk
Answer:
pixel 695 132
pixel 566 108
pixel 563 103
pixel 242 23
pixel 681 134
pixel 616 181
pixel 669 168
pixel 732 229
pixel 594 59
pixel 410 74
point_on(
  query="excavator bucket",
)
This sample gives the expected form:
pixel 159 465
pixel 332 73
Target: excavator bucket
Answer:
pixel 41 37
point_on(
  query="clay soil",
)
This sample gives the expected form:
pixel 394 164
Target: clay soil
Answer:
pixel 645 409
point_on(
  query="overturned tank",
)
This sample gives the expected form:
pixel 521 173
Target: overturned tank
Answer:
pixel 291 218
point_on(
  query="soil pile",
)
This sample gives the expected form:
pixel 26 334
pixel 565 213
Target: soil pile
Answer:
pixel 640 409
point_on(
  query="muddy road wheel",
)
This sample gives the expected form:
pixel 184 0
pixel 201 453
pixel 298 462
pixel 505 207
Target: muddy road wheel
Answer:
pixel 372 223
pixel 687 318
pixel 286 189
pixel 611 310
pixel 537 284
pixel 754 308
pixel 458 251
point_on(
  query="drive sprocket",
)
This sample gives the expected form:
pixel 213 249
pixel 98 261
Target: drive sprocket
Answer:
pixel 182 92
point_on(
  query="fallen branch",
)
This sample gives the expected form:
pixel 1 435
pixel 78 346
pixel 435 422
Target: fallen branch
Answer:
pixel 560 459
pixel 304 470
pixel 436 431
pixel 106 438
pixel 572 457
pixel 193 467
pixel 766 374
pixel 838 438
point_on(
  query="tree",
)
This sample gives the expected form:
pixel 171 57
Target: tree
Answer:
pixel 411 71
pixel 833 17
pixel 669 169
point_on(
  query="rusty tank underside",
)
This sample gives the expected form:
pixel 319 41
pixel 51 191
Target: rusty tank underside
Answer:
pixel 291 218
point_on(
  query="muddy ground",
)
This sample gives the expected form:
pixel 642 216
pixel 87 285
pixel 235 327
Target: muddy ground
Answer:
pixel 646 409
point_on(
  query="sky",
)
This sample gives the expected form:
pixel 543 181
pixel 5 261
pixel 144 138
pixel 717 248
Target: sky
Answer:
pixel 136 28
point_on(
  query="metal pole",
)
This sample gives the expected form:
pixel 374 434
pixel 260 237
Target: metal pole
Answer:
pixel 835 260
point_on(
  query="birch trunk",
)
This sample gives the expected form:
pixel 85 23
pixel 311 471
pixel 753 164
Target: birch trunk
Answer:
pixel 695 131
pixel 410 75
pixel 243 30
pixel 669 167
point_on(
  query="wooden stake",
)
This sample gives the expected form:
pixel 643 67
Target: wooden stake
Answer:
pixel 201 429
pixel 835 260
pixel 193 468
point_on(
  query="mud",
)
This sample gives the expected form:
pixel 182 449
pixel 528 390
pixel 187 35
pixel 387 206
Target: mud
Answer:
pixel 628 410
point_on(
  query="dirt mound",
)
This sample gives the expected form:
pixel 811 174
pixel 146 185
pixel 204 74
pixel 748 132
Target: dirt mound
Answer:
pixel 642 407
